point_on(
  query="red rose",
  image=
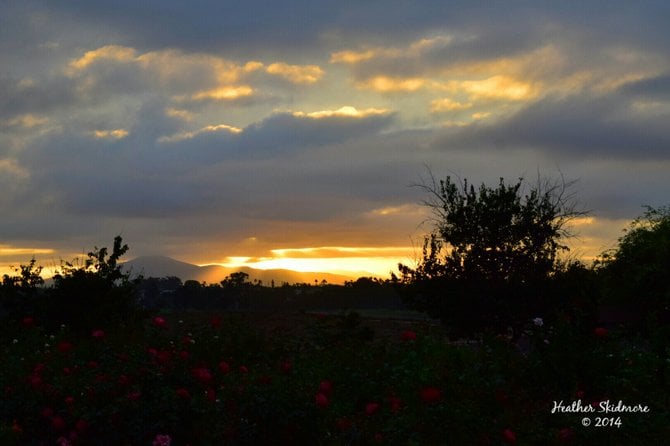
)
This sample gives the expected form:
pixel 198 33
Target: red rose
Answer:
pixel 57 422
pixel 408 335
pixel 343 424
pixel 325 387
pixel 81 425
pixel 396 403
pixel 159 322
pixel 286 366
pixel 210 394
pixel 371 409
pixel 244 369
pixel 509 436
pixel 202 374
pixel 183 393
pixel 224 367
pixel 600 332
pixel 35 381
pixel 98 334
pixel 431 395
pixel 65 347
pixel 321 400
pixel 28 322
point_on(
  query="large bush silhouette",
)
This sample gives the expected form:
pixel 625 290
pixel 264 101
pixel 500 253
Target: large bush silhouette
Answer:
pixel 635 274
pixel 488 261
pixel 95 294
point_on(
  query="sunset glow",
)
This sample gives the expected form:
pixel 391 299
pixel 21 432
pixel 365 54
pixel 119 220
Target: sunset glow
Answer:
pixel 275 135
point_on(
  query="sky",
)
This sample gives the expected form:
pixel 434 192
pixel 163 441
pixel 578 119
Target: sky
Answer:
pixel 289 134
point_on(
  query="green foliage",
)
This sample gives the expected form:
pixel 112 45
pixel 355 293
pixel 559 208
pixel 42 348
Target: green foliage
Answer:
pixel 491 252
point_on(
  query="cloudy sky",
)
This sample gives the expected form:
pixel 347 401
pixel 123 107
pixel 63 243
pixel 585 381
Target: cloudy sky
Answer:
pixel 288 133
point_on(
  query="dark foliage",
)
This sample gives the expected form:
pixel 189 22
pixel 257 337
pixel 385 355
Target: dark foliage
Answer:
pixel 488 262
pixel 95 294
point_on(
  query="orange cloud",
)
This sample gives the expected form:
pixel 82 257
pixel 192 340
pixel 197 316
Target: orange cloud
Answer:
pixel 109 52
pixel 27 121
pixel 207 129
pixel 8 250
pixel 225 93
pixel 352 57
pixel 386 84
pixel 448 105
pixel 110 134
pixel 346 111
pixel 298 74
pixel 495 87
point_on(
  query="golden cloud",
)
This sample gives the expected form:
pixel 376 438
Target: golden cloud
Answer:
pixel 109 52
pixel 386 84
pixel 225 93
pixel 27 121
pixel 414 49
pixel 7 250
pixel 352 57
pixel 346 111
pixel 298 74
pixel 12 167
pixel 495 87
pixel 207 129
pixel 448 105
pixel 338 251
pixel 110 134
pixel 184 115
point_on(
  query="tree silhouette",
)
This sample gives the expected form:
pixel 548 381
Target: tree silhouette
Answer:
pixel 491 251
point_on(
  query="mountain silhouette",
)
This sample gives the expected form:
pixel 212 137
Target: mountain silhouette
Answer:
pixel 162 266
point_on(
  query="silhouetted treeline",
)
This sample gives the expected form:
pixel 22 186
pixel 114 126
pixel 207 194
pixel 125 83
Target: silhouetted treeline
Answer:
pixel 236 293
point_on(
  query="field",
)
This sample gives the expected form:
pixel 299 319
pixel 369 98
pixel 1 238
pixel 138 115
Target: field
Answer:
pixel 368 377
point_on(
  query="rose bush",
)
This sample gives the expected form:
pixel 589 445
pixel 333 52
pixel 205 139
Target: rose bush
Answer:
pixel 194 382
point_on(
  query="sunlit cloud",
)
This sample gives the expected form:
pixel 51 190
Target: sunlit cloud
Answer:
pixel 495 87
pixel 377 261
pixel 413 50
pixel 448 105
pixel 184 115
pixel 298 74
pixel 481 115
pixel 110 52
pixel 110 134
pixel 404 209
pixel 386 84
pixel 208 129
pixel 352 57
pixel 27 121
pixel 11 167
pixel 227 93
pixel 9 250
pixel 346 111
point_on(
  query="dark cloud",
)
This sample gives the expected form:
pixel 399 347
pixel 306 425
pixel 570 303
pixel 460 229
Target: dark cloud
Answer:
pixel 653 88
pixel 582 126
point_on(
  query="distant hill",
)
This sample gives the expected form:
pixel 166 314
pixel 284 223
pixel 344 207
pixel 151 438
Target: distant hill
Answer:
pixel 161 266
